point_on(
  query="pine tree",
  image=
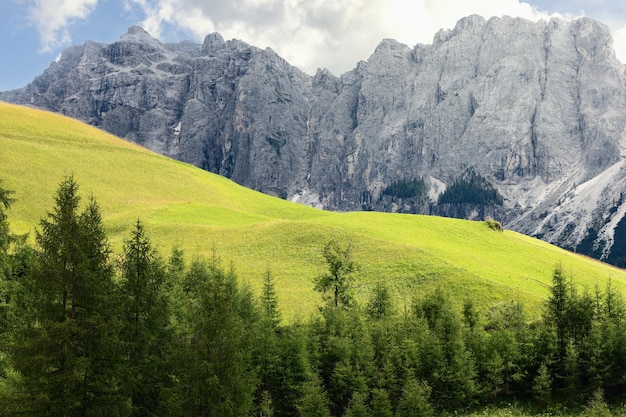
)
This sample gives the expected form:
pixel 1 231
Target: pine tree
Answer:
pixel 269 300
pixel 597 407
pixel 5 289
pixel 5 236
pixel 67 350
pixel 265 406
pixel 558 306
pixel 380 304
pixel 216 376
pixel 266 348
pixel 357 406
pixel 381 406
pixel 294 369
pixel 313 402
pixel 145 312
pixel 450 366
pixel 542 385
pixel 5 240
pixel 345 355
pixel 415 400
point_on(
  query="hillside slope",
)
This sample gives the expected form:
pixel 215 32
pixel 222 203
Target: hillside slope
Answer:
pixel 534 107
pixel 198 211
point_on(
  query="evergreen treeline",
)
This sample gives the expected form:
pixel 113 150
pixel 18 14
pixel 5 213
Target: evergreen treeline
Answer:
pixel 471 188
pixel 413 188
pixel 86 333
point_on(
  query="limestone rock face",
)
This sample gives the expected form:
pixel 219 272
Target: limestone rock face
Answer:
pixel 538 109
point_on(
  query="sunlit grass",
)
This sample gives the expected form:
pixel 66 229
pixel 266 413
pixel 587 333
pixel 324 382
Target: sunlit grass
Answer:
pixel 200 212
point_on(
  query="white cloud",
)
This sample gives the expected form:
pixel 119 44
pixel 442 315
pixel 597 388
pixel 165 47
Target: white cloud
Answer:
pixel 619 36
pixel 335 34
pixel 51 19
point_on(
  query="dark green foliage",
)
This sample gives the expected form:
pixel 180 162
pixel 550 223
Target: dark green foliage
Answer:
pixel 358 406
pixel 415 400
pixel 344 356
pixel 7 286
pixel 265 407
pixel 269 301
pixel 293 371
pixel 471 188
pixel 557 310
pixel 446 361
pixel 381 406
pixel 171 339
pixel 266 356
pixel 380 304
pixel 215 373
pixel 542 385
pixel 336 283
pixel 5 262
pixel 597 407
pixel 413 188
pixel 67 351
pixel 314 402
pixel 570 317
pixel 5 236
pixel 470 314
pixel 145 334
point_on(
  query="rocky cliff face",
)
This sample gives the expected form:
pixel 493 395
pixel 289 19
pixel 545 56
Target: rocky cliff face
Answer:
pixel 538 109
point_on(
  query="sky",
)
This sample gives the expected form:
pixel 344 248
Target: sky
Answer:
pixel 310 34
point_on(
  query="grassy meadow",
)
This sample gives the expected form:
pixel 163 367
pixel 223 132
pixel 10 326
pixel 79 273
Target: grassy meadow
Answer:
pixel 201 212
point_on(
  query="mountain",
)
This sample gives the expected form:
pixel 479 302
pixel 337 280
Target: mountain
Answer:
pixel 203 213
pixel 536 110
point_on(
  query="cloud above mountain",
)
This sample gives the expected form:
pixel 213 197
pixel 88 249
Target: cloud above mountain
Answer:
pixel 322 33
pixel 333 34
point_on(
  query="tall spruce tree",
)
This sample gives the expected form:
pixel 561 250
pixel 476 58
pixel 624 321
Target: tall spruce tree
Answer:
pixel 146 335
pixel 5 240
pixel 67 350
pixel 5 290
pixel 266 348
pixel 216 376
pixel 5 237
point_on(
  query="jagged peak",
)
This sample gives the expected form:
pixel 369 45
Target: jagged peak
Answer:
pixel 471 21
pixel 212 43
pixel 389 44
pixel 137 30
pixel 137 34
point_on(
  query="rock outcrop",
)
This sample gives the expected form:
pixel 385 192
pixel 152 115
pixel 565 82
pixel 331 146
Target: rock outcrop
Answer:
pixel 538 109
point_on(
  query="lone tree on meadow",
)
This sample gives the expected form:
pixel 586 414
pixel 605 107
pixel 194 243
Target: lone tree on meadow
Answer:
pixel 336 283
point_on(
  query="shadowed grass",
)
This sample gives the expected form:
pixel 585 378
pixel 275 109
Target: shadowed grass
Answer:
pixel 198 211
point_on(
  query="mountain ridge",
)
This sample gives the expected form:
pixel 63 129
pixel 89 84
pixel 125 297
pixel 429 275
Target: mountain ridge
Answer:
pixel 535 108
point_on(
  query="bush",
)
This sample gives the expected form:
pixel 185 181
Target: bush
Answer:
pixel 494 225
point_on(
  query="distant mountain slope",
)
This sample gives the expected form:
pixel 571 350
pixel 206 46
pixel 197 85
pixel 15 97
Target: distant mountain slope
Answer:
pixel 537 109
pixel 200 212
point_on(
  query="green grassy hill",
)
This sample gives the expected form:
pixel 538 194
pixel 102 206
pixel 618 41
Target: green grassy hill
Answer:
pixel 198 211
